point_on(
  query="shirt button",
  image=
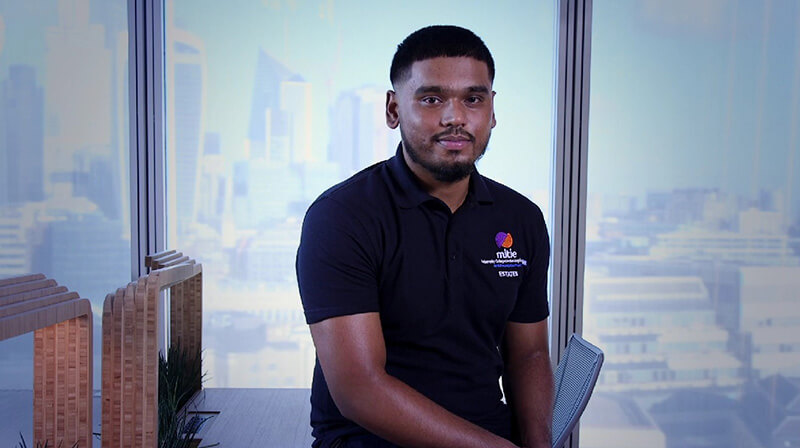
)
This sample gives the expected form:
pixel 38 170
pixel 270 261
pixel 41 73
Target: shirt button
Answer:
pixel 453 257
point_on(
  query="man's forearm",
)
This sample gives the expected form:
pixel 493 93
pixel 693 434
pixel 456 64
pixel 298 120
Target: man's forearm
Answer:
pixel 529 390
pixel 396 412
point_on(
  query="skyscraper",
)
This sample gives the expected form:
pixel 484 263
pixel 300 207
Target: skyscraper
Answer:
pixel 22 143
pixel 14 254
pixel 78 79
pixel 185 91
pixel 213 182
pixel 359 135
pixel 93 177
pixel 269 123
pixel 296 104
pixel 114 16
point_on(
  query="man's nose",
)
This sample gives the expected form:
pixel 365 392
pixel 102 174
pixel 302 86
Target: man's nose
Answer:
pixel 453 114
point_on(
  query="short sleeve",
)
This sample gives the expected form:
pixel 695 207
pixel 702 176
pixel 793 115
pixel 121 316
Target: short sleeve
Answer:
pixel 336 268
pixel 532 305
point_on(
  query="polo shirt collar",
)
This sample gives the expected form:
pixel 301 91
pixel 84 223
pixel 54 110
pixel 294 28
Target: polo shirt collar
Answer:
pixel 409 193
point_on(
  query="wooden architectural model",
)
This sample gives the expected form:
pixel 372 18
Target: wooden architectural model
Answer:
pixel 130 346
pixel 62 368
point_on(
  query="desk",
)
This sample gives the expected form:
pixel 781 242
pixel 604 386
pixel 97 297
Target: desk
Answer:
pixel 243 418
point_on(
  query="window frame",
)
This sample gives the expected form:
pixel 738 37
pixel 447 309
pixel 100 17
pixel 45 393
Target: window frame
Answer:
pixel 146 56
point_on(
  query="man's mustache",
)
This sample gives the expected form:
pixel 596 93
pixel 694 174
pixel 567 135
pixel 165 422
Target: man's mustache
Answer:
pixel 455 132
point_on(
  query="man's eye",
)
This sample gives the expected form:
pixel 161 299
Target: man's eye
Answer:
pixel 474 99
pixel 430 100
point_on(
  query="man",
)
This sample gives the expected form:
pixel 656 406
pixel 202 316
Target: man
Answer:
pixel 422 281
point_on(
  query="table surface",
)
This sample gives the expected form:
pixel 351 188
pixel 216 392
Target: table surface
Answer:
pixel 240 418
pixel 245 418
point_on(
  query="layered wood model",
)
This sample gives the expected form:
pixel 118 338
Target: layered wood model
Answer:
pixel 130 345
pixel 62 364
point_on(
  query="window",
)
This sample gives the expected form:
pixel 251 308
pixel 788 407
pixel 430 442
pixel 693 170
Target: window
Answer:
pixel 64 165
pixel 694 146
pixel 269 104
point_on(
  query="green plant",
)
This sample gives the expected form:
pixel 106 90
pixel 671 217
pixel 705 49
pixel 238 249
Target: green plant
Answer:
pixel 179 377
pixel 46 444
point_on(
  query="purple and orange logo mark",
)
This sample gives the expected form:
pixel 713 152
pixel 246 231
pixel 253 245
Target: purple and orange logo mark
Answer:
pixel 507 258
pixel 503 240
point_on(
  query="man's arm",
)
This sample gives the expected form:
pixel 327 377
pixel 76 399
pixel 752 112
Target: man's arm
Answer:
pixel 352 354
pixel 528 381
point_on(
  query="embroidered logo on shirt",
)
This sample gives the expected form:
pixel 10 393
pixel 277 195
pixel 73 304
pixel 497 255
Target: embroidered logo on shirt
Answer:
pixel 506 259
pixel 503 240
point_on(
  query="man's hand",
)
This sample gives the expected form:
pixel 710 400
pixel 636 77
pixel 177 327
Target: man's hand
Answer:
pixel 352 354
pixel 528 381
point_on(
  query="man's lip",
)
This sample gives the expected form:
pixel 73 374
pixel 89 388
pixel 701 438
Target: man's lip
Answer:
pixel 453 144
pixel 454 138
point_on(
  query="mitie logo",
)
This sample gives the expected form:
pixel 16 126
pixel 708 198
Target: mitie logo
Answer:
pixel 506 261
pixel 506 254
pixel 504 241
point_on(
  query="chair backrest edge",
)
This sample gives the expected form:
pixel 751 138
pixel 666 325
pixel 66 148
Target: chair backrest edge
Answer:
pixel 575 339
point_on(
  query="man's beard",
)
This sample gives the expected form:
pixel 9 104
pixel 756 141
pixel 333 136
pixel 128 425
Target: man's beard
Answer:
pixel 442 172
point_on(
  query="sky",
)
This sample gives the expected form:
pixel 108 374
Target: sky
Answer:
pixel 698 94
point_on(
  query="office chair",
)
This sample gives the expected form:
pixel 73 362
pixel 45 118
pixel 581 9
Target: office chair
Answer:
pixel 574 380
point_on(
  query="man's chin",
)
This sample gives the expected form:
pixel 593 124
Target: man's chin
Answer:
pixel 447 167
pixel 453 172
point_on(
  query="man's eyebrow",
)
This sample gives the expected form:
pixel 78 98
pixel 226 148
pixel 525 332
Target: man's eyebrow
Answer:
pixel 424 90
pixel 478 89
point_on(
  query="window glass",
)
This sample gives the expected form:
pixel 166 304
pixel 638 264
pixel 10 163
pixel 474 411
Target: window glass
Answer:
pixel 692 272
pixel 64 166
pixel 272 102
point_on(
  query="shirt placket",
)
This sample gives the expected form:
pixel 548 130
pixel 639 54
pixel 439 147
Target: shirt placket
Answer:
pixel 455 258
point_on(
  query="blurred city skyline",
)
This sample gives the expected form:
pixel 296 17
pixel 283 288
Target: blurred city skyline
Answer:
pixel 692 237
pixel 726 74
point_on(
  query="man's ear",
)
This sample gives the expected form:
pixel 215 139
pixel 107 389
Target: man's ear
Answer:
pixel 392 117
pixel 494 119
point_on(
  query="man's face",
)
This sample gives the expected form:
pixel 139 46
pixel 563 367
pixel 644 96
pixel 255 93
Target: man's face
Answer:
pixel 445 111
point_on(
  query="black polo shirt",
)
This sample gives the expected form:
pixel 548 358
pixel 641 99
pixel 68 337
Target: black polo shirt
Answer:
pixel 445 284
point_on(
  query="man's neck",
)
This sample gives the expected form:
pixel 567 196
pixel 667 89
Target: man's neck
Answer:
pixel 451 193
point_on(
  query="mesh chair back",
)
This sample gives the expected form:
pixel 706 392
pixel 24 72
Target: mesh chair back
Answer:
pixel 574 380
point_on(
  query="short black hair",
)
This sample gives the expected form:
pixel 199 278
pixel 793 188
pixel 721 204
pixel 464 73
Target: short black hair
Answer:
pixel 438 41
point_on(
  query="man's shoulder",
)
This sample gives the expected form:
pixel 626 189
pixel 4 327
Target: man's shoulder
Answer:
pixel 360 192
pixel 354 184
pixel 510 199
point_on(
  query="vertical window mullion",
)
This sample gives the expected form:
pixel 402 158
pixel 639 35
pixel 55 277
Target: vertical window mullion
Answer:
pixel 570 146
pixel 146 54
